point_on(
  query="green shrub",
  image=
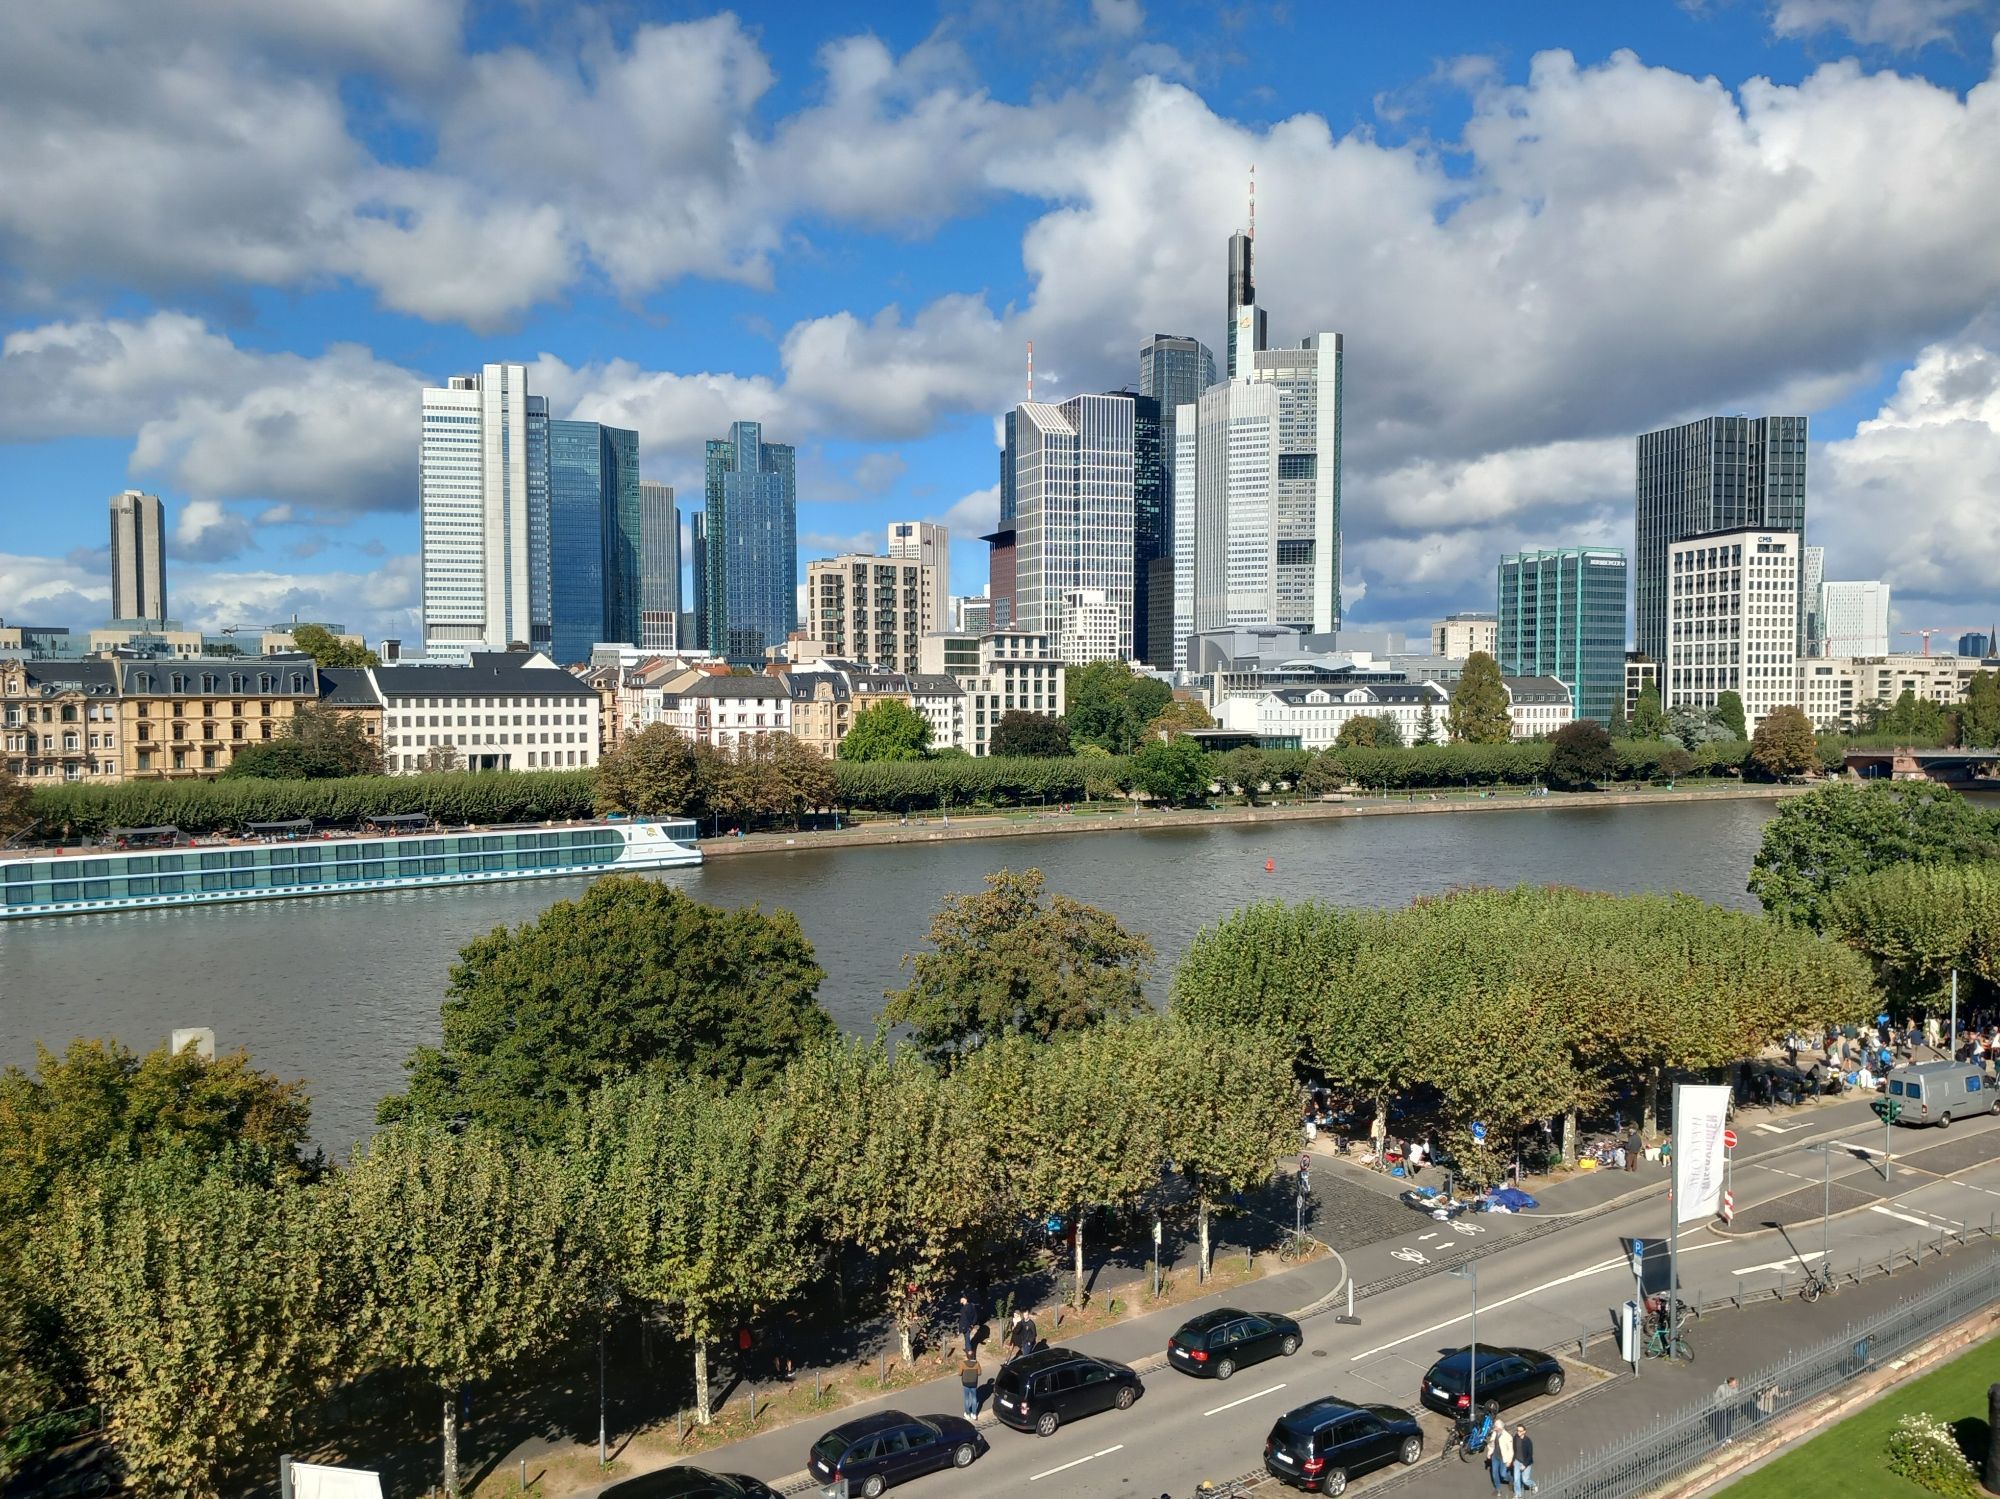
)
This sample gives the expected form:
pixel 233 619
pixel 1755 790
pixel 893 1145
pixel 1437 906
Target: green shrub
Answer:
pixel 1924 1450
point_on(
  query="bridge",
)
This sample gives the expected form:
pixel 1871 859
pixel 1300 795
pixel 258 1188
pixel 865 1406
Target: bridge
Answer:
pixel 1923 765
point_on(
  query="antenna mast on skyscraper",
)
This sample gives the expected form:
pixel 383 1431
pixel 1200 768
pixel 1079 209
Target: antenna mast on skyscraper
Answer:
pixel 1031 369
pixel 1253 202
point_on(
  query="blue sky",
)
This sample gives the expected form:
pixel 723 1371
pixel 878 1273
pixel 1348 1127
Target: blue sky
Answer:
pixel 236 239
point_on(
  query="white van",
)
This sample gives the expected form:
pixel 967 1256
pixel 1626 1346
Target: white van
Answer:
pixel 1936 1092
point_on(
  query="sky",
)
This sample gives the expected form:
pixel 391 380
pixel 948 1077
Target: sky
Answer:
pixel 236 240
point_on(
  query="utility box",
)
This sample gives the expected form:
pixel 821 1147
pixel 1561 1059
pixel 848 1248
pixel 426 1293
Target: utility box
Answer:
pixel 1628 1332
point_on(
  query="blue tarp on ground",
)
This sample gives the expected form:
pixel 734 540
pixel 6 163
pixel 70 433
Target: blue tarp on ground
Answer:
pixel 1513 1199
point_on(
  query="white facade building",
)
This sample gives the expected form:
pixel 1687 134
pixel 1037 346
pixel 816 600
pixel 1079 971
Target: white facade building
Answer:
pixel 1538 705
pixel 483 497
pixel 1733 621
pixel 1073 512
pixel 730 712
pixel 1457 636
pixel 941 700
pixel 1257 497
pixel 873 610
pixel 1090 627
pixel 1854 619
pixel 1013 670
pixel 1314 716
pixel 497 712
pixel 1836 691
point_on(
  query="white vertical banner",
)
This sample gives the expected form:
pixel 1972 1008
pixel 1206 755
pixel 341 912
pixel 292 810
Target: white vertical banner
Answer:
pixel 1701 1112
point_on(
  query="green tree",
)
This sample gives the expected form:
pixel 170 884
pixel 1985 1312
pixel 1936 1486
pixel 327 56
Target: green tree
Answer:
pixel 1427 724
pixel 318 743
pixel 1247 769
pixel 1620 727
pixel 1818 842
pixel 888 730
pixel 209 1308
pixel 634 977
pixel 1479 712
pixel 652 773
pixel 1181 716
pixel 1370 731
pixel 470 1254
pixel 328 649
pixel 1978 717
pixel 1108 704
pixel 1910 718
pixel 696 1192
pixel 1581 756
pixel 1008 961
pixel 1784 744
pixel 1676 764
pixel 1031 736
pixel 14 815
pixel 1693 727
pixel 1729 714
pixel 1323 775
pixel 1918 922
pixel 789 775
pixel 1648 722
pixel 1171 771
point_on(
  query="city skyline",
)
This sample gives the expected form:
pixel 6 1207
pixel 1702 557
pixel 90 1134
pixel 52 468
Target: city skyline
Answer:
pixel 261 383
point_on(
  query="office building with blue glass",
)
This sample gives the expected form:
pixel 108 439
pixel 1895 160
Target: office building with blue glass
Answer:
pixel 596 556
pixel 1562 615
pixel 751 498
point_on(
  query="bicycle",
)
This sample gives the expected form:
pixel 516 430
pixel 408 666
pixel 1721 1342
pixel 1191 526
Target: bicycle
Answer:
pixel 1294 1248
pixel 1818 1282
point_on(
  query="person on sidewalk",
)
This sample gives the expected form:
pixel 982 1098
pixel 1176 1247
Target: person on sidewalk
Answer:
pixel 968 1322
pixel 1500 1456
pixel 1634 1148
pixel 968 1378
pixel 1724 1408
pixel 1524 1460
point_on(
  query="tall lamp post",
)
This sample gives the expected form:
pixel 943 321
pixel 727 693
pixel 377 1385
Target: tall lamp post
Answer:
pixel 1469 1273
pixel 1824 1151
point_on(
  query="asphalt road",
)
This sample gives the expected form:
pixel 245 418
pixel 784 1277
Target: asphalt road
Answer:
pixel 1547 1283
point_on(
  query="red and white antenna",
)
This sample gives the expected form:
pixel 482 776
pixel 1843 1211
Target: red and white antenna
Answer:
pixel 1253 202
pixel 1031 369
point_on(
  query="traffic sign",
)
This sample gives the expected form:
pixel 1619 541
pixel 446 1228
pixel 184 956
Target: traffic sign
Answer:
pixel 1729 1139
pixel 1305 1163
pixel 1478 1133
pixel 1728 1207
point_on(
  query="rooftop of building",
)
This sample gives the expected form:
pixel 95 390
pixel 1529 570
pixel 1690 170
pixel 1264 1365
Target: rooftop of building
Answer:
pixel 54 676
pixel 347 687
pixel 1385 694
pixel 1538 690
pixel 486 674
pixel 759 688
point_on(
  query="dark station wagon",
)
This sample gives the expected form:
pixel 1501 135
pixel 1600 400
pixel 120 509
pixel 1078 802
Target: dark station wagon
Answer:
pixel 1216 1344
pixel 877 1452
pixel 1320 1446
pixel 1507 1376
pixel 1054 1385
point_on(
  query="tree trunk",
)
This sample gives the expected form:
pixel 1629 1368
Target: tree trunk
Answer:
pixel 1204 1238
pixel 1379 1130
pixel 1992 1475
pixel 906 1334
pixel 701 1410
pixel 1649 1118
pixel 1076 1295
pixel 451 1444
pixel 1569 1138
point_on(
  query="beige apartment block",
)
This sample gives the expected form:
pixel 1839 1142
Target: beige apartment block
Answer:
pixel 59 721
pixel 190 717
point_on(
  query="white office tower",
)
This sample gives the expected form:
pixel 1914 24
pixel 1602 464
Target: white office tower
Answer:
pixel 1733 621
pixel 484 499
pixel 1257 497
pixel 921 541
pixel 1812 576
pixel 1089 626
pixel 659 567
pixel 1854 618
pixel 138 557
pixel 1073 519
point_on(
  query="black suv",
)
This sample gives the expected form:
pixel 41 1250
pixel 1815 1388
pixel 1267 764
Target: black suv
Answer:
pixel 1318 1447
pixel 1507 1376
pixel 1040 1392
pixel 1216 1344
pixel 690 1483
pixel 873 1452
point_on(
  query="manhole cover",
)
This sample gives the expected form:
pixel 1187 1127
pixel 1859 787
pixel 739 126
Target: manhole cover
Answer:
pixel 1319 1353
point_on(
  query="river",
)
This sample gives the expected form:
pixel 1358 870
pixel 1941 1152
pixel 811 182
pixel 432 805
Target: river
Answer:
pixel 337 989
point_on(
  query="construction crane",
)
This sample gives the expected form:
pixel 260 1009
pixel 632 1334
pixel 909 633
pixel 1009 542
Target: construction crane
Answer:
pixel 1939 630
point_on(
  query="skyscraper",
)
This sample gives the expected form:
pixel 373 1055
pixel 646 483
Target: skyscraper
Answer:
pixel 698 545
pixel 1854 618
pixel 594 537
pixel 138 557
pixel 1072 469
pixel 484 504
pixel 1812 578
pixel 921 541
pixel 1173 370
pixel 1732 617
pixel 659 567
pixel 1249 326
pixel 1721 473
pixel 1562 615
pixel 753 570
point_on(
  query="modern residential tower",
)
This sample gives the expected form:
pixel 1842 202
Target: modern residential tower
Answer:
pixel 1732 621
pixel 753 570
pixel 921 541
pixel 138 557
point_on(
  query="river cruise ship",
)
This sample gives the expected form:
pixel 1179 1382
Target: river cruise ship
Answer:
pixel 147 868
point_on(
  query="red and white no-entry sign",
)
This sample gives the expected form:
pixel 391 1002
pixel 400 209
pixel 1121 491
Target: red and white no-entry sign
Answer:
pixel 1729 1139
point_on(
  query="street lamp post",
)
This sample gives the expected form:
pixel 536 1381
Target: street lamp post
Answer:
pixel 1825 1152
pixel 1469 1273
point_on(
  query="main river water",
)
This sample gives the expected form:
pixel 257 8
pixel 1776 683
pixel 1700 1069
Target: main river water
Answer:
pixel 337 989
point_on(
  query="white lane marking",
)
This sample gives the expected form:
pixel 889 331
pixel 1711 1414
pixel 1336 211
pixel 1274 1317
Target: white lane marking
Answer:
pixel 1623 1262
pixel 1067 1466
pixel 1775 1129
pixel 1876 1207
pixel 1244 1401
pixel 1431 1235
pixel 1795 1261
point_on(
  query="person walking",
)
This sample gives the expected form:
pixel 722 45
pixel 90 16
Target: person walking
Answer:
pixel 1723 1408
pixel 968 1378
pixel 1524 1460
pixel 1634 1148
pixel 1500 1456
pixel 968 1321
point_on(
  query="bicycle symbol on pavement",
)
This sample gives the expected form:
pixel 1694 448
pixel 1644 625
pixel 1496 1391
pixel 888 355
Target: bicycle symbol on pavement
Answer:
pixel 1412 1256
pixel 1467 1228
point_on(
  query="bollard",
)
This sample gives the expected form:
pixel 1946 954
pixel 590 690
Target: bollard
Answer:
pixel 816 1391
pixel 524 1475
pixel 882 1367
pixel 680 1433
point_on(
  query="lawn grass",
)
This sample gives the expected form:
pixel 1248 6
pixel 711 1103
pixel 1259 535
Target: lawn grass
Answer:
pixel 1851 1460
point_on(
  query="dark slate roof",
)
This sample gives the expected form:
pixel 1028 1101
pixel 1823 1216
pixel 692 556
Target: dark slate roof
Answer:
pixel 347 687
pixel 1536 689
pixel 762 689
pixel 1385 694
pixel 805 685
pixel 490 674
pixel 935 684
pixel 96 678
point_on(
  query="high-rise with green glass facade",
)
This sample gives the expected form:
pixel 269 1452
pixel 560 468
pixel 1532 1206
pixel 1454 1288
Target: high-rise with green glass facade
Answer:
pixel 595 557
pixel 751 524
pixel 1562 615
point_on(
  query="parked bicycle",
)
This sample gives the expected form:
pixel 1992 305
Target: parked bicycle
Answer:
pixel 1666 1329
pixel 1818 1282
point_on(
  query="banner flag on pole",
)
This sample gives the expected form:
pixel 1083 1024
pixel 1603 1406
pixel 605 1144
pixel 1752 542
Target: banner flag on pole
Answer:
pixel 1701 1111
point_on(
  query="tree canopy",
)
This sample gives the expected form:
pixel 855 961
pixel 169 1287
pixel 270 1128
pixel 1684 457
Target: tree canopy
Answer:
pixel 1479 713
pixel 1370 731
pixel 1648 722
pixel 1171 771
pixel 14 814
pixel 1181 716
pixel 318 743
pixel 1978 715
pixel 634 977
pixel 1918 922
pixel 1910 718
pixel 1108 704
pixel 888 730
pixel 653 773
pixel 1010 960
pixel 1032 736
pixel 328 649
pixel 1581 756
pixel 1729 715
pixel 1784 744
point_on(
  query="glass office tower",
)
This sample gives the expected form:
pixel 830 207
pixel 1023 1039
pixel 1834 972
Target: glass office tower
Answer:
pixel 753 569
pixel 594 537
pixel 1562 615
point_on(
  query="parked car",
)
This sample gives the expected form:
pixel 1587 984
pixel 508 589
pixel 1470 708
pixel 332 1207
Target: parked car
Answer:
pixel 690 1483
pixel 1216 1344
pixel 1507 1376
pixel 877 1452
pixel 1053 1385
pixel 1323 1444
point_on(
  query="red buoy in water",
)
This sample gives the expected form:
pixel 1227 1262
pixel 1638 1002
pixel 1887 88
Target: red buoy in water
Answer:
pixel 1270 866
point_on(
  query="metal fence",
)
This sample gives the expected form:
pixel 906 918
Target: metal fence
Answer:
pixel 1677 1442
